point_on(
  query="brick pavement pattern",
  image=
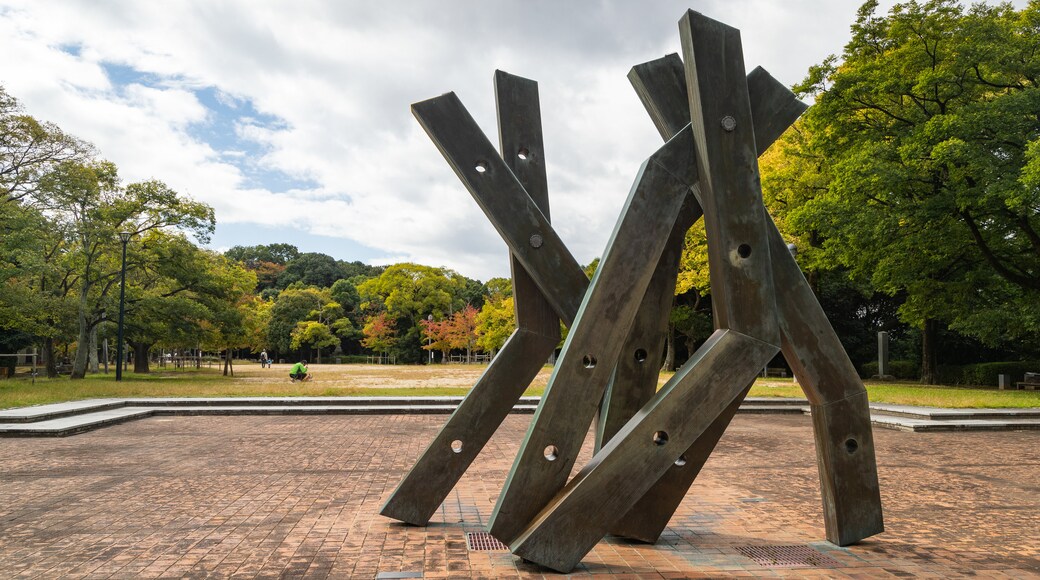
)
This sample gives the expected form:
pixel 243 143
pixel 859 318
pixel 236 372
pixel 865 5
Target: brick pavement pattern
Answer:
pixel 297 496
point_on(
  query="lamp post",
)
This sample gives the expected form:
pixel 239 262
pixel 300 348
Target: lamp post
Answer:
pixel 429 339
pixel 124 237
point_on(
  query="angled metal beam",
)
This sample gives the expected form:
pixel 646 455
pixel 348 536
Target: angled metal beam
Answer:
pixel 591 350
pixel 646 447
pixel 650 515
pixel 661 86
pixel 511 210
pixel 523 150
pixel 743 298
pixel 738 255
pixel 849 482
pixel 469 428
pixel 840 410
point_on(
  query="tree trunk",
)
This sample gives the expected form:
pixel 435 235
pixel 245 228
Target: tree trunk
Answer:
pixel 79 364
pixel 319 355
pixel 929 352
pixel 49 363
pixel 669 353
pixel 141 357
pixel 92 356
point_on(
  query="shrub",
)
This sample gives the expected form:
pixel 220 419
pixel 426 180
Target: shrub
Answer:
pixel 985 374
pixel 350 359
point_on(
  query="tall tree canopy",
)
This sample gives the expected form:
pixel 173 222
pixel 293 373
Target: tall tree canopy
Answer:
pixel 916 167
pixel 29 149
pixel 409 293
pixel 312 269
pixel 87 206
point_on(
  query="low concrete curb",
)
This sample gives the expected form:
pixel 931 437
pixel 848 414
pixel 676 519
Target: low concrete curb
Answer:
pixel 64 419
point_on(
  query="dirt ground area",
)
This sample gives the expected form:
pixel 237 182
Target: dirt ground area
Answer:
pixel 381 376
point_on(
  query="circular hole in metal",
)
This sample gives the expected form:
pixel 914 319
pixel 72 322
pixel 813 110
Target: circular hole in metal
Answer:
pixel 481 166
pixel 523 153
pixel 660 438
pixel 743 250
pixel 681 461
pixel 640 355
pixel 456 446
pixel 589 361
pixel 851 445
pixel 551 452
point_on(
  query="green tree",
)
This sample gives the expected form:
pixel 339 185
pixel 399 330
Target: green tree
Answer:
pixel 252 256
pixel 495 323
pixel 409 293
pixel 89 207
pixel 357 269
pixel 180 296
pixel 268 261
pixel 312 269
pixel 501 287
pixel 913 169
pixel 37 284
pixel 295 305
pixel 29 149
pixel 314 335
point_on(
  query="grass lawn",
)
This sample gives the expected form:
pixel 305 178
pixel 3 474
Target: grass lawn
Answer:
pixel 375 380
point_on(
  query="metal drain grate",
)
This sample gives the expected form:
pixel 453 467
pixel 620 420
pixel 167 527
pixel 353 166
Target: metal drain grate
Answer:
pixel 484 542
pixel 787 557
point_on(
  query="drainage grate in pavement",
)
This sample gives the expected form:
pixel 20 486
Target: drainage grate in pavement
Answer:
pixel 787 557
pixel 484 542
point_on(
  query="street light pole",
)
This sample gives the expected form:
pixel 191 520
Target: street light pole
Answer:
pixel 124 237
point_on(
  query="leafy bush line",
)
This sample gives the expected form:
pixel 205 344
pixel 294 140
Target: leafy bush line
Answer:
pixel 981 374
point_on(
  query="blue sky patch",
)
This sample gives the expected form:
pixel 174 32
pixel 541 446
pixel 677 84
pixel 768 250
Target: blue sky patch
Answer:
pixel 219 130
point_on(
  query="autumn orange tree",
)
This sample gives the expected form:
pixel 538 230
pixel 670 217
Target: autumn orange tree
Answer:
pixel 462 331
pixel 435 333
pixel 380 333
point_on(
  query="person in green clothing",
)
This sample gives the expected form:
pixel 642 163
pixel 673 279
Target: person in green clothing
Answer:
pixel 298 372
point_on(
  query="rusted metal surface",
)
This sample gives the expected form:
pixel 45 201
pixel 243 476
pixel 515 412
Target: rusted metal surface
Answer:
pixel 505 202
pixel 468 430
pixel 649 446
pixel 593 344
pixel 730 193
pixel 661 86
pixel 808 342
pixel 745 313
pixel 645 448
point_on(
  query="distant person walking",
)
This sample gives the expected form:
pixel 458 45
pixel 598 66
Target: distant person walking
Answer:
pixel 298 372
pixel 264 361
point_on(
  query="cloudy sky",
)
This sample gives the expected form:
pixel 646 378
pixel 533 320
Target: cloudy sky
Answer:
pixel 292 118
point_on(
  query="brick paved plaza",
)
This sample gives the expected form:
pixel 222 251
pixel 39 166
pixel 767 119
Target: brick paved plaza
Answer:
pixel 297 496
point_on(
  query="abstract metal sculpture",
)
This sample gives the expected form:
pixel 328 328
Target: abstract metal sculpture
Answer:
pixel 650 445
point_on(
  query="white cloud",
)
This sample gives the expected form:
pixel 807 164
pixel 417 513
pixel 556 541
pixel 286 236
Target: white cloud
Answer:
pixel 322 92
